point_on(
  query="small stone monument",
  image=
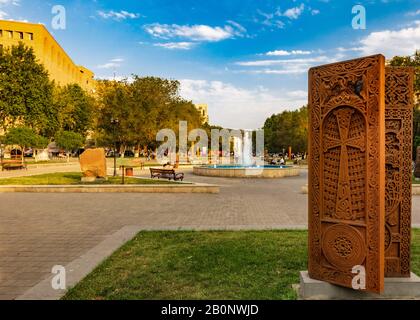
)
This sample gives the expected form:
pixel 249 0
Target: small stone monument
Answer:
pixel 417 169
pixel 93 165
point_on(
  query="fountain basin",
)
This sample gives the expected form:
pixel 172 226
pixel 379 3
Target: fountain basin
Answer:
pixel 237 171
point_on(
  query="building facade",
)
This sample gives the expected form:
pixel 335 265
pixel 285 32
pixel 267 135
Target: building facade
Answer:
pixel 56 61
pixel 204 111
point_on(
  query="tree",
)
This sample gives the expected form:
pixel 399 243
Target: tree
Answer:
pixel 114 103
pixel 74 108
pixel 69 140
pixel 25 91
pixel 412 61
pixel 289 128
pixel 25 137
pixel 143 107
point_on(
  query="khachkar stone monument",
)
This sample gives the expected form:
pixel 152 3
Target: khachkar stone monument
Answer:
pixel 399 102
pixel 359 177
pixel 417 169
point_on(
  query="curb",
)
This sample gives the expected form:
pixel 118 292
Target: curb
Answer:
pixel 182 188
pixel 416 189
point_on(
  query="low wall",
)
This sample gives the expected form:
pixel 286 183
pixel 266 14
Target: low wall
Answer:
pixel 246 173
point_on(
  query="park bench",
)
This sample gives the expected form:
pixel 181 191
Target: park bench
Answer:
pixel 13 165
pixel 166 174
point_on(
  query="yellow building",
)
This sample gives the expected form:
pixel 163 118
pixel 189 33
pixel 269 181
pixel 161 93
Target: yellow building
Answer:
pixel 204 111
pixel 59 65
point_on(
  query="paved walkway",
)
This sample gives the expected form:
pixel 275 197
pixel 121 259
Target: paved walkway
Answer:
pixel 39 231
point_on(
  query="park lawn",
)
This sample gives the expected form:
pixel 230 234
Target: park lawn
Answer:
pixel 200 265
pixel 73 178
pixel 236 265
pixel 415 181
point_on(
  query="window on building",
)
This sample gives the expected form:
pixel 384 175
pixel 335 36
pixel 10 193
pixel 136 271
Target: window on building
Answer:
pixel 9 34
pixel 1 33
pixel 19 35
pixel 30 36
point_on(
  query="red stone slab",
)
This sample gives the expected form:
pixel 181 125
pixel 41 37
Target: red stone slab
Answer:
pixel 347 171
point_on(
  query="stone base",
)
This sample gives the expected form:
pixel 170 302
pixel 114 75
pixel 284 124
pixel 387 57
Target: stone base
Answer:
pixel 93 179
pixel 395 288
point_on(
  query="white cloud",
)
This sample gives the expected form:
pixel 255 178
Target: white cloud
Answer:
pixel 129 79
pixel 391 43
pixel 414 13
pixel 271 19
pixel 234 107
pixel 118 15
pixel 315 12
pixel 4 3
pixel 176 45
pixel 286 66
pixel 260 63
pixel 288 53
pixel 294 13
pixel 195 32
pixel 3 15
pixel 111 64
pixel 9 2
pixel 342 49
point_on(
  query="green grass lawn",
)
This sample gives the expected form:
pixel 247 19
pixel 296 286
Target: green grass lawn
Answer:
pixel 415 181
pixel 73 179
pixel 205 265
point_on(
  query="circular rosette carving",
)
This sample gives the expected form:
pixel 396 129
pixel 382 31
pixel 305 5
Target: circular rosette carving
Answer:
pixel 343 246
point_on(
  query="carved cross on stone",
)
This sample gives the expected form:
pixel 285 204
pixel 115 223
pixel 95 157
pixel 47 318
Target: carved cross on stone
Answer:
pixel 343 204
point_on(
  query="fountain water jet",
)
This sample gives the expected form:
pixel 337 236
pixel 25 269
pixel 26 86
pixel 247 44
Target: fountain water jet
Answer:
pixel 247 151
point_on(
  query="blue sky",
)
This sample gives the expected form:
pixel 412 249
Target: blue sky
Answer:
pixel 247 59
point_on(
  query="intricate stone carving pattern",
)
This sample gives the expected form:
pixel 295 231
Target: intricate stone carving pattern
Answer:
pixel 347 171
pixel 398 129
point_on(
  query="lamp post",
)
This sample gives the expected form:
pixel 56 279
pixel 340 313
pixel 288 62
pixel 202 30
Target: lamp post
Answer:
pixel 115 123
pixel 2 152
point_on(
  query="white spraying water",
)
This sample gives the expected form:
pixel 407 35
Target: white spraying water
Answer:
pixel 237 145
pixel 247 152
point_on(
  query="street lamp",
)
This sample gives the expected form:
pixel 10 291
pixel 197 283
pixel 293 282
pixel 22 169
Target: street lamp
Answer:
pixel 114 123
pixel 2 152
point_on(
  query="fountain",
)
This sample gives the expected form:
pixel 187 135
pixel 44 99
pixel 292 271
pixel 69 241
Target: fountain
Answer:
pixel 244 165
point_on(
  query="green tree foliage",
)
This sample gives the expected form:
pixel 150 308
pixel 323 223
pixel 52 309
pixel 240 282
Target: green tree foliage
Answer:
pixel 412 61
pixel 25 91
pixel 289 128
pixel 69 140
pixel 143 107
pixel 74 109
pixel 25 137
